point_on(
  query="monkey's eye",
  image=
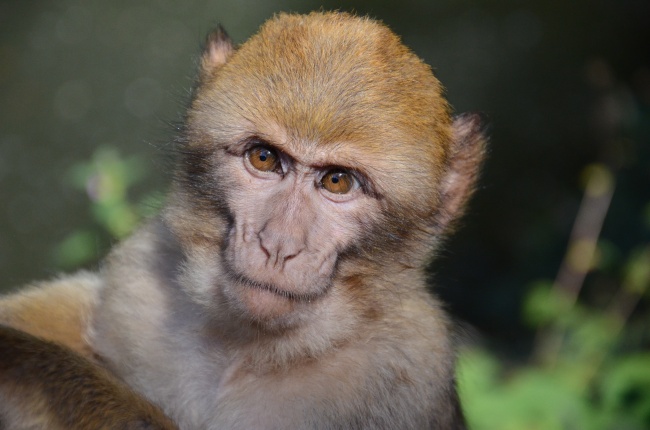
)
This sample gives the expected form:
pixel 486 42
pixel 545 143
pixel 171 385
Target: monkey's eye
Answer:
pixel 338 182
pixel 264 159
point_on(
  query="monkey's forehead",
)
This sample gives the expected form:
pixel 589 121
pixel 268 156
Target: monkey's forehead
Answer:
pixel 332 76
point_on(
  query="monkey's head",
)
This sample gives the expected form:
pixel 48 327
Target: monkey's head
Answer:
pixel 318 156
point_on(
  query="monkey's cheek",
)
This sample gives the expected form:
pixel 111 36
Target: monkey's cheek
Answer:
pixel 265 305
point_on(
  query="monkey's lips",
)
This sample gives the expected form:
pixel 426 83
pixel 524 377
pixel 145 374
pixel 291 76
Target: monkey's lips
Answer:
pixel 265 300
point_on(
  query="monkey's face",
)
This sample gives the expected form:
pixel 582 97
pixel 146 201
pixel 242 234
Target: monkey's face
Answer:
pixel 305 149
pixel 294 209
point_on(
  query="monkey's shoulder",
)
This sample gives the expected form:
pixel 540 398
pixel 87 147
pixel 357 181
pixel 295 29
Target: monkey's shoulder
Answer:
pixel 57 310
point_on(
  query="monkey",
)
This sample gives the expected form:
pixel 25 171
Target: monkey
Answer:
pixel 283 285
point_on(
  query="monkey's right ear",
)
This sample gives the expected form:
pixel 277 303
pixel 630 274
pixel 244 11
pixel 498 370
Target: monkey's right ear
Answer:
pixel 218 48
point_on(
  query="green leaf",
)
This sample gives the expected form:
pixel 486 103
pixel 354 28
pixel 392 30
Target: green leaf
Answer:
pixel 637 271
pixel 76 249
pixel 544 304
pixel 625 389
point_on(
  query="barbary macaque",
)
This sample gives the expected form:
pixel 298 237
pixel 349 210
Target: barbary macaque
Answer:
pixel 283 286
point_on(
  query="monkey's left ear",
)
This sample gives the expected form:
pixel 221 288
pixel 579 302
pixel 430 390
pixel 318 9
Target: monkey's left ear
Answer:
pixel 463 168
pixel 218 48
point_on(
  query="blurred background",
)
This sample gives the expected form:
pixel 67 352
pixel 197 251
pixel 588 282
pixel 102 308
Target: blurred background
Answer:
pixel 549 272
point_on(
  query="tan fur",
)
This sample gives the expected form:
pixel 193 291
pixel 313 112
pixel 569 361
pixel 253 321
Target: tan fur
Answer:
pixel 259 300
pixel 58 311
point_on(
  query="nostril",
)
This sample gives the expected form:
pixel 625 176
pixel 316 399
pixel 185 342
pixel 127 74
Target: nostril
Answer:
pixel 266 251
pixel 289 257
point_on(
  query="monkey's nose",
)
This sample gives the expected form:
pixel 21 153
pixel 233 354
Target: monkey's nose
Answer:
pixel 279 248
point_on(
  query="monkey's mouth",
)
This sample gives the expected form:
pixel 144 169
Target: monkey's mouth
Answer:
pixel 277 291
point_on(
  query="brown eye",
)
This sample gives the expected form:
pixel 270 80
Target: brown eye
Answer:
pixel 263 159
pixel 338 182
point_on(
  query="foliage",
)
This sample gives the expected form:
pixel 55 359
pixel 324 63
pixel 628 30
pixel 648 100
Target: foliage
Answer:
pixel 586 370
pixel 107 179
